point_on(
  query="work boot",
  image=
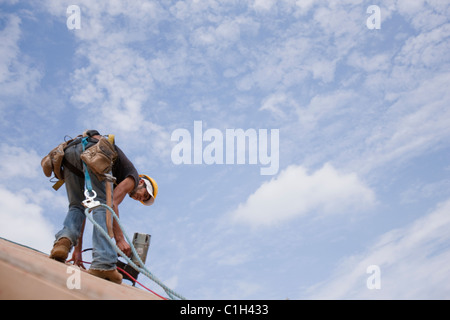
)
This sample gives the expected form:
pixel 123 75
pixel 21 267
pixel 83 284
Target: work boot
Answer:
pixel 111 275
pixel 61 249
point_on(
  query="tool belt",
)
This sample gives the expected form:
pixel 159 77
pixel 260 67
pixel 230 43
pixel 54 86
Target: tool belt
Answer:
pixel 52 163
pixel 99 158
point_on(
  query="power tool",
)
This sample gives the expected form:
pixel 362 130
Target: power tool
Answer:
pixel 141 242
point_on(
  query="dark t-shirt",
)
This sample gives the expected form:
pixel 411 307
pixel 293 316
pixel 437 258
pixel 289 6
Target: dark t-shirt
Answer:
pixel 124 168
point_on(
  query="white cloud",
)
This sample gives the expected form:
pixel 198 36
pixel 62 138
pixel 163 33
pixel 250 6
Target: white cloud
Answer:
pixel 426 49
pixel 325 106
pixel 18 162
pixel 413 262
pixel 117 80
pixel 424 14
pixel 416 122
pixel 279 104
pixel 379 62
pixel 22 210
pixel 116 84
pixel 17 77
pixel 23 222
pixel 9 37
pixel 304 6
pixel 417 192
pixel 263 5
pixel 48 198
pixel 295 192
pixel 323 69
pixel 225 33
pixel 125 80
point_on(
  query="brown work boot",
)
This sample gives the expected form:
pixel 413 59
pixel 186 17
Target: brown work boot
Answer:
pixel 111 275
pixel 61 249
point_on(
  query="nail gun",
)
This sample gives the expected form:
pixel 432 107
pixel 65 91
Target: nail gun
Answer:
pixel 141 242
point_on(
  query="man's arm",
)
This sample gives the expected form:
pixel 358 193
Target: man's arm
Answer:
pixel 77 251
pixel 120 191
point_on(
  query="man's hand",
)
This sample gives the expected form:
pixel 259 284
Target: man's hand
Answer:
pixel 124 246
pixel 77 258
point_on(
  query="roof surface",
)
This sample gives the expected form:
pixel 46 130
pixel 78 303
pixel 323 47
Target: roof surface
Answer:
pixel 27 274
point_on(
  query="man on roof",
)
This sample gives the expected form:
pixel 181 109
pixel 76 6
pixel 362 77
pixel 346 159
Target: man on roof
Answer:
pixel 139 187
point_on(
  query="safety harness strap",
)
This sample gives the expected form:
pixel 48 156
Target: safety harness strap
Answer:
pixel 87 178
pixel 72 168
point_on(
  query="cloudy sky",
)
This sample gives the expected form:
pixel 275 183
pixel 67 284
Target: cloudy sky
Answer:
pixel 358 115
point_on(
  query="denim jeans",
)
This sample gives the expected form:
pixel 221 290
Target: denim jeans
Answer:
pixel 104 257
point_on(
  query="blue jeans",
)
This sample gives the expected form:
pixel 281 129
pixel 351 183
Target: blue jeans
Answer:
pixel 104 257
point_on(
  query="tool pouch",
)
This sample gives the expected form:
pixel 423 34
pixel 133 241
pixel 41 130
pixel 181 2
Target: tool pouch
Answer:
pixel 100 157
pixel 53 161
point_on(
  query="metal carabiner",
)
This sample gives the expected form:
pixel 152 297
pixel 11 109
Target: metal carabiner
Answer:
pixel 90 202
pixel 86 194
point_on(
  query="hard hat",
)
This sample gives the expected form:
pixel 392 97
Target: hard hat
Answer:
pixel 152 189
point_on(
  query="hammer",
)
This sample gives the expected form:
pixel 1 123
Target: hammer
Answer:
pixel 109 202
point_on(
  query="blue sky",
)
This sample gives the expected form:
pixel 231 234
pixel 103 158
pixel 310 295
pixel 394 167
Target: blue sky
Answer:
pixel 363 118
